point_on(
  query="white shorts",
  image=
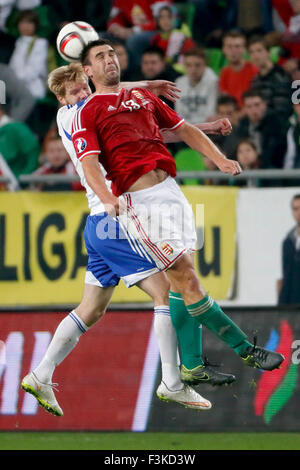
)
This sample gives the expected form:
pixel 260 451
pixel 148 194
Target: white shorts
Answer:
pixel 162 220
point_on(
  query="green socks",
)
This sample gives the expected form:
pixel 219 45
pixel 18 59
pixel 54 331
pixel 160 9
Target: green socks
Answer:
pixel 188 330
pixel 208 313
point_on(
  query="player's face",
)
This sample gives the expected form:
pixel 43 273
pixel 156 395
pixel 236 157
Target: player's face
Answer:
pixel 258 54
pixel 75 92
pixel 255 108
pixel 104 68
pixel 194 67
pixel 296 210
pixel 234 49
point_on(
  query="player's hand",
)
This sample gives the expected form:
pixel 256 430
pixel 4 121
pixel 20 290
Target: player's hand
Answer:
pixel 114 206
pixel 164 88
pixel 221 126
pixel 229 166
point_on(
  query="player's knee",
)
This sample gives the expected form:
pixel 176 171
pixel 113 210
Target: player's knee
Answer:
pixel 90 317
pixel 189 281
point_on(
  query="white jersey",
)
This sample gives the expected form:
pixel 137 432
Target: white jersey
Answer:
pixel 64 119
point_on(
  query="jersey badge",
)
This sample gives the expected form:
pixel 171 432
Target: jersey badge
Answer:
pixel 166 248
pixel 80 144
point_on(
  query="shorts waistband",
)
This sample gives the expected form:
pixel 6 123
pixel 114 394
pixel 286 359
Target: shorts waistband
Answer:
pixel 148 190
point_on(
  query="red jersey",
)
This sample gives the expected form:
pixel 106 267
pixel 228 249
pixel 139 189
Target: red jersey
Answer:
pixel 124 129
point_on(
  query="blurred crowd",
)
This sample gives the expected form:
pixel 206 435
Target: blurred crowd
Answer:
pixel 238 59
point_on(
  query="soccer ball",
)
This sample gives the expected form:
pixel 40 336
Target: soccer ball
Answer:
pixel 73 37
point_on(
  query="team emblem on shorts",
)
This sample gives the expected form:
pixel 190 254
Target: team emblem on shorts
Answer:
pixel 80 144
pixel 166 248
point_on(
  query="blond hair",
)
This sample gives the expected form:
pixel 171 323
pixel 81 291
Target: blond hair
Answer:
pixel 67 73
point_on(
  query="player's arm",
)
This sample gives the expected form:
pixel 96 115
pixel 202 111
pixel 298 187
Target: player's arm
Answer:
pixel 164 88
pixel 220 126
pixel 95 179
pixel 198 141
pixel 86 145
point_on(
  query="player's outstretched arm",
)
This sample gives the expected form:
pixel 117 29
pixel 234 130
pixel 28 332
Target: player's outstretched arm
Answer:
pixel 198 141
pixel 95 179
pixel 220 126
pixel 163 88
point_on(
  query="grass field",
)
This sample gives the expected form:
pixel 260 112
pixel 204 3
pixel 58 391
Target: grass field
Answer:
pixel 147 441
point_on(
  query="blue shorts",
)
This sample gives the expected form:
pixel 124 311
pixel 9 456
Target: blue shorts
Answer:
pixel 113 254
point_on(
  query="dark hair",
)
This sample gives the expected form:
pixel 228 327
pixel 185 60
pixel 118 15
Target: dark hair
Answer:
pixel 247 141
pixel 195 52
pixel 164 7
pixel 29 15
pixel 84 56
pixel 154 50
pixel 258 39
pixel 253 93
pixel 227 99
pixel 234 33
pixel 297 196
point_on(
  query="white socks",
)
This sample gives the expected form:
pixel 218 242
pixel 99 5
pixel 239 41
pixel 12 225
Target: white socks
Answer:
pixel 64 340
pixel 72 327
pixel 167 343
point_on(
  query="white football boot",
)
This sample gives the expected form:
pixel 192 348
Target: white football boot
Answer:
pixel 186 397
pixel 43 393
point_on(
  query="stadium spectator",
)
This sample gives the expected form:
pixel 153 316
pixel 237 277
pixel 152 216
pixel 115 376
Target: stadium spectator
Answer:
pixel 57 162
pixel 227 107
pixel 199 88
pixel 291 37
pixel 212 18
pixel 173 42
pixel 236 77
pixel 154 67
pixel 272 79
pixel 94 12
pixel 264 128
pixel 292 156
pixel 7 41
pixel 8 5
pixel 19 100
pixel 247 155
pixel 250 16
pixel 18 145
pixel 133 21
pixel 29 59
pixel 289 292
pixel 128 73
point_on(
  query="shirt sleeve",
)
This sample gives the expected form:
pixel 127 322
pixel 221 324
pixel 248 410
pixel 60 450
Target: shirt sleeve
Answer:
pixel 84 135
pixel 166 117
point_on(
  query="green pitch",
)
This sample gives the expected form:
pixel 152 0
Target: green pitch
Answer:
pixel 147 441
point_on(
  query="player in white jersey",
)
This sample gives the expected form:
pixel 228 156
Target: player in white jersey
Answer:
pixel 119 258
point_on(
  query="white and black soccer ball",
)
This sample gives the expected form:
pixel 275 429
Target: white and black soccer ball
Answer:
pixel 73 37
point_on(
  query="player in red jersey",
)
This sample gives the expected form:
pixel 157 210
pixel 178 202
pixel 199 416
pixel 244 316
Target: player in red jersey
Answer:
pixel 121 128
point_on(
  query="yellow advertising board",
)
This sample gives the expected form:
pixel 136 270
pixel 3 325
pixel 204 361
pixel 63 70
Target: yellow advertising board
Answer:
pixel 43 257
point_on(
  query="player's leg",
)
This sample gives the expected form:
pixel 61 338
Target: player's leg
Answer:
pixel 208 313
pixel 194 370
pixel 39 382
pixel 171 387
pixel 157 287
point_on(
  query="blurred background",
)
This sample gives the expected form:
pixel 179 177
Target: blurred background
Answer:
pixel 238 59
